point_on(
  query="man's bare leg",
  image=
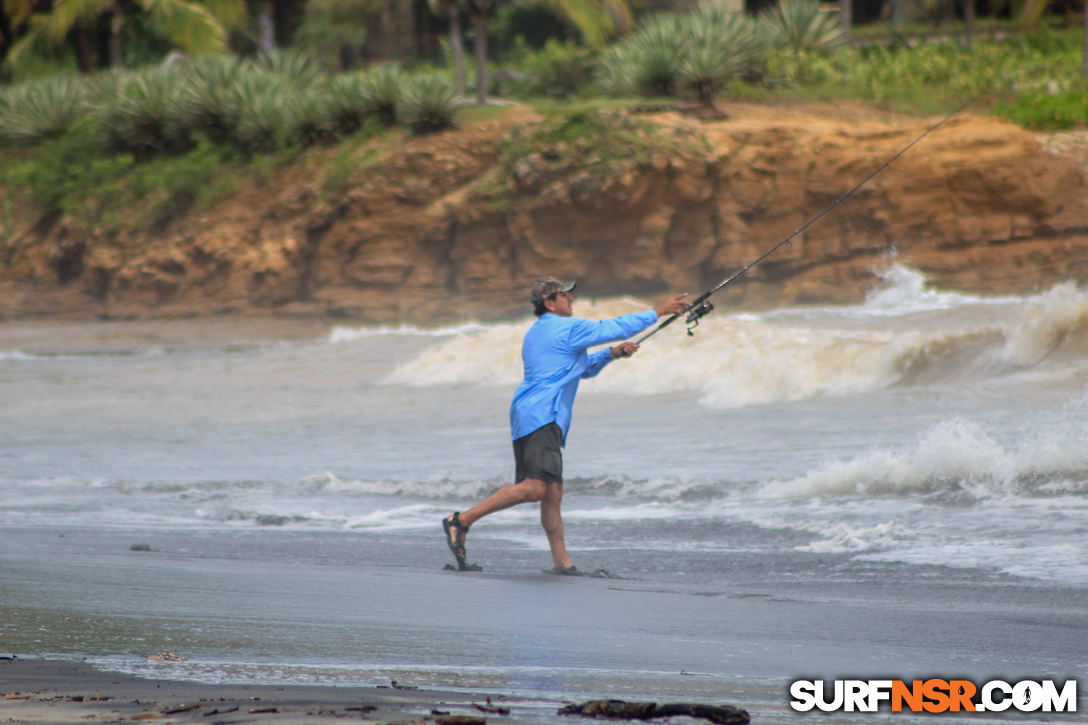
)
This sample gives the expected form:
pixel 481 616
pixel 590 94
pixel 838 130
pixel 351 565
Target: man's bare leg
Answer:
pixel 550 496
pixel 552 521
pixel 524 491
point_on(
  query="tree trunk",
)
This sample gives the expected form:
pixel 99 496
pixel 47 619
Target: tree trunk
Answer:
pixel 1030 14
pixel 7 33
pixel 969 17
pixel 268 32
pixel 457 43
pixel 116 59
pixel 1084 52
pixel 480 21
pixel 102 40
pixel 899 12
pixel 283 21
pixel 846 17
pixel 81 43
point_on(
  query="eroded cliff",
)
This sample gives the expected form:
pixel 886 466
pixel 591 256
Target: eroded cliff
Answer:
pixel 431 230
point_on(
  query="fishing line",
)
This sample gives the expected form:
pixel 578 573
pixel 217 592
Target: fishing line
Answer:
pixel 701 305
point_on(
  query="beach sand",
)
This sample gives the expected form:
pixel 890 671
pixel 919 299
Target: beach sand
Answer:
pixel 274 614
pixel 59 691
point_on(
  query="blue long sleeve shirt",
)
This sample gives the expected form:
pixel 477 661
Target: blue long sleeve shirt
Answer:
pixel 556 357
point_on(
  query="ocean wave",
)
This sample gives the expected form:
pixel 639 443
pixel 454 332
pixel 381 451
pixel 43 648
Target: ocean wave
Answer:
pixel 1050 320
pixel 958 458
pixel 275 514
pixel 745 359
pixel 905 291
pixel 341 334
pixel 438 487
pixel 851 538
pixel 16 355
pixel 19 356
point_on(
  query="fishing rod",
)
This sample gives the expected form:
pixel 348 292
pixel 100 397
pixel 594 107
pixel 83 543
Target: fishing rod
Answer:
pixel 701 305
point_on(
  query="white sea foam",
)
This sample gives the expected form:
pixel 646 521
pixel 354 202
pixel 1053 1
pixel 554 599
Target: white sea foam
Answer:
pixel 906 291
pixel 1047 321
pixel 961 457
pixel 435 487
pixel 490 357
pixel 734 361
pixel 341 334
pixel 846 538
pixel 744 359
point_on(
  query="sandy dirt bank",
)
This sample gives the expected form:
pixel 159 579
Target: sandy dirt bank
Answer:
pixel 456 226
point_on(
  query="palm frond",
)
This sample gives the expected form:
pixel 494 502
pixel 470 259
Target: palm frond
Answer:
pixel 262 113
pixel 800 25
pixel 207 105
pixel 428 104
pixel 144 117
pixel 380 90
pixel 189 26
pixel 18 10
pixel 345 107
pixel 614 72
pixel 104 86
pixel 657 51
pixel 308 120
pixel 231 14
pixel 299 70
pixel 67 13
pixel 36 111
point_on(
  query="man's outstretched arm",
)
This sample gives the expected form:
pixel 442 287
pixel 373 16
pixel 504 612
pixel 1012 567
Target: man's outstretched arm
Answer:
pixel 665 309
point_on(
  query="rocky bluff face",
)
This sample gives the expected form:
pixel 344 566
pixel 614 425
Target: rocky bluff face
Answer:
pixel 455 226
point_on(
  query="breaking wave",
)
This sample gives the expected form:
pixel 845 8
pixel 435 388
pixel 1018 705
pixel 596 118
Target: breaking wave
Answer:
pixel 1049 321
pixel 350 334
pixel 960 458
pixel 903 335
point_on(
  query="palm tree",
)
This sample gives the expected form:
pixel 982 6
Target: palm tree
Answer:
pixel 598 20
pixel 1031 12
pixel 453 9
pixel 478 11
pixel 283 22
pixel 332 29
pixel 969 17
pixel 195 27
pixel 13 13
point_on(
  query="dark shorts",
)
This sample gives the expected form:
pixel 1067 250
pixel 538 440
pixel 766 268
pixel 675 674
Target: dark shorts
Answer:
pixel 539 455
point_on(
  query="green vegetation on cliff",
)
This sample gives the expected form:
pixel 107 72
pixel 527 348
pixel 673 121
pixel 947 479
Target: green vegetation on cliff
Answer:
pixel 143 146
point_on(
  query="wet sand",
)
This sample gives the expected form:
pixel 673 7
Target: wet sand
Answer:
pixel 276 612
pixel 59 691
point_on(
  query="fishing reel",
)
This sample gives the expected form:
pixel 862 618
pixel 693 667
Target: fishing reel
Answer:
pixel 695 314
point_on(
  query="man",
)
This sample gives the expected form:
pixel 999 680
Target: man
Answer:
pixel 556 357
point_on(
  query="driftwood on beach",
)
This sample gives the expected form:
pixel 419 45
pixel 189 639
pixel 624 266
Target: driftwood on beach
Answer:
pixel 621 710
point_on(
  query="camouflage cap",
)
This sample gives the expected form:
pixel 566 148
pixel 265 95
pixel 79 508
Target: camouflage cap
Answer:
pixel 545 287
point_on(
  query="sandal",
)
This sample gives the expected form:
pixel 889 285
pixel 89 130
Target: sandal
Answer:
pixel 455 532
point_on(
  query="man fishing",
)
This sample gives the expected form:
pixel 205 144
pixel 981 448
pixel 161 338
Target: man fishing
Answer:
pixel 556 356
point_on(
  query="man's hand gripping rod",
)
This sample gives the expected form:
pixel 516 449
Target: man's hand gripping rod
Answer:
pixel 701 305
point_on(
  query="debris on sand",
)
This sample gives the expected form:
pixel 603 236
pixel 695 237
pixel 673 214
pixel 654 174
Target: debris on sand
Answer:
pixel 621 710
pixel 166 657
